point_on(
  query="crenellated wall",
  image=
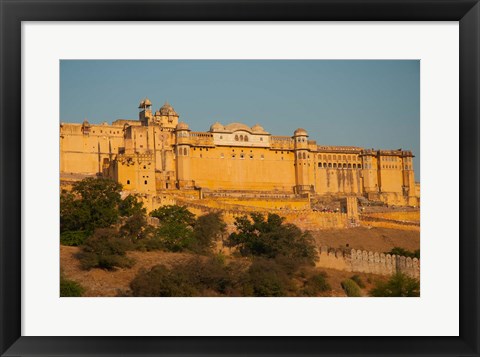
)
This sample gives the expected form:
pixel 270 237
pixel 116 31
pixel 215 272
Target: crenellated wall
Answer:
pixel 368 262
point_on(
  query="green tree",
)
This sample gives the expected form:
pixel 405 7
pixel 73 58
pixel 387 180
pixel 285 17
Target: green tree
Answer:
pixel 130 206
pixel 101 196
pixel 399 285
pixel 174 237
pixel 92 203
pixel 207 230
pixel 74 214
pixel 271 238
pixel 134 226
pixel 174 214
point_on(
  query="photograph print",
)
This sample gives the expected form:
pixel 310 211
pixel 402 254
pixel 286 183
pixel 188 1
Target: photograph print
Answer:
pixel 239 178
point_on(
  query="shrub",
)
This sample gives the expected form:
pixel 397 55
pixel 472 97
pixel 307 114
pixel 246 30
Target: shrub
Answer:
pixel 105 250
pixel 398 285
pixel 160 281
pixel 70 288
pixel 196 277
pixel 404 252
pixel 73 238
pixel 266 278
pixel 358 280
pixel 351 288
pixel 316 284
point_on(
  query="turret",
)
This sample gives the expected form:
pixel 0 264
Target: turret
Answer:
pixel 182 132
pixel 145 114
pixel 300 137
pixel 167 117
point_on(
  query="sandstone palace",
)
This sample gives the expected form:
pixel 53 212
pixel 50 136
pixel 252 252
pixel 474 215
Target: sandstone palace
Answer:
pixel 157 155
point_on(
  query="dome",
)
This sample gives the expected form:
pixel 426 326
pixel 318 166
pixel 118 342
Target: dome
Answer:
pixel 216 127
pixel 167 109
pixel 237 126
pixel 300 132
pixel 258 128
pixel 182 126
pixel 145 103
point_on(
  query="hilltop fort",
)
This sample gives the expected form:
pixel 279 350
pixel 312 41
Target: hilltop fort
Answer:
pixel 158 156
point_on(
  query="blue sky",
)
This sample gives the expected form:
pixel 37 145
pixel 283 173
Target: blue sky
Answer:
pixel 372 104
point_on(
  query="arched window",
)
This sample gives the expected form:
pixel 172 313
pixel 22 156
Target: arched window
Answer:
pixel 128 182
pixel 324 164
pixel 344 166
pixel 185 151
pixel 146 182
pixel 354 166
pixel 246 138
pixel 359 166
pixel 241 137
pixel 349 166
pixel 334 165
pixel 299 155
pixel 304 156
pixel 329 157
pixel 236 137
pixel 344 157
pixel 334 157
pixel 329 164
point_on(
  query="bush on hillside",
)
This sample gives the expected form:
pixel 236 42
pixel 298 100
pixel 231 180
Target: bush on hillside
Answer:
pixel 351 288
pixel 195 277
pixel 70 288
pixel 399 285
pixel 404 252
pixel 105 250
pixel 316 284
pixel 358 280
pixel 266 278
pixel 73 238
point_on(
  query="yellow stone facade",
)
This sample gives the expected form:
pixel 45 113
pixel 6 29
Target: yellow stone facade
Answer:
pixel 157 153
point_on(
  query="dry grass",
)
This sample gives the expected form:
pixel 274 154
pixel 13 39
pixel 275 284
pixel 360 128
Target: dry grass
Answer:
pixel 375 239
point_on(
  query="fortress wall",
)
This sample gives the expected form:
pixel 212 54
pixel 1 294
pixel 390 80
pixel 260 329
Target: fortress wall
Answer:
pixel 275 171
pixel 329 180
pixel 304 219
pixel 84 154
pixel 262 204
pixel 368 262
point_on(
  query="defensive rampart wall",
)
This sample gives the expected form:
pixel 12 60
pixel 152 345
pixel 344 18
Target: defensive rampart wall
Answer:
pixel 368 262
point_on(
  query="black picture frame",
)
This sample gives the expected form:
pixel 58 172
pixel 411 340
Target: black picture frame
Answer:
pixel 13 12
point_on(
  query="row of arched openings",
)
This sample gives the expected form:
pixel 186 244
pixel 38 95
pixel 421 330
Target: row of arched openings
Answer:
pixel 241 138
